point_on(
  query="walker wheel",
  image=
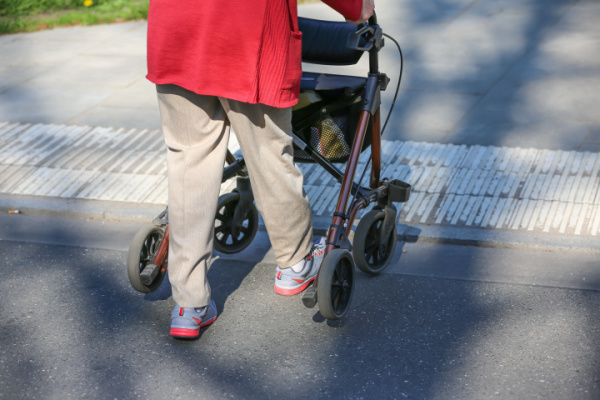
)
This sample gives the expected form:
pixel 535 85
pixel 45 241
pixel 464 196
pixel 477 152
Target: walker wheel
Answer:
pixel 335 284
pixel 229 237
pixel 142 249
pixel 372 253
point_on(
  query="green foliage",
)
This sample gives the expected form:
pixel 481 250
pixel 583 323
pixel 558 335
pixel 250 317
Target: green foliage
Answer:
pixel 32 15
pixel 29 7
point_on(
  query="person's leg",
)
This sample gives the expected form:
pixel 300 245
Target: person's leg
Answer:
pixel 263 135
pixel 196 133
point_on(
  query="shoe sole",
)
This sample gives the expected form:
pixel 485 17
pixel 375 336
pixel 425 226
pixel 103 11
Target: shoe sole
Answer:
pixel 291 292
pixel 184 333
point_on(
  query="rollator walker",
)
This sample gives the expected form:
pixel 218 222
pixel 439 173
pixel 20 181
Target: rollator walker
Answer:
pixel 336 119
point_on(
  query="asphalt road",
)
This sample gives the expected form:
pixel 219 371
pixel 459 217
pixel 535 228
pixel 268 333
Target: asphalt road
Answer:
pixel 443 322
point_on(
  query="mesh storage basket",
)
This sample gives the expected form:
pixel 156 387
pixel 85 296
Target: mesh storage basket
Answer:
pixel 331 134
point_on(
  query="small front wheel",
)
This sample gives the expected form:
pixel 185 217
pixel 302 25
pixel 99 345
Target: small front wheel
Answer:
pixel 142 249
pixel 335 285
pixel 231 236
pixel 372 252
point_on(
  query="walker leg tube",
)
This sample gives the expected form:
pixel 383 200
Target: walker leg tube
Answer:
pixel 337 228
pixel 376 150
pixel 163 250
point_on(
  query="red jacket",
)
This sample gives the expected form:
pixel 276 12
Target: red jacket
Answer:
pixel 245 50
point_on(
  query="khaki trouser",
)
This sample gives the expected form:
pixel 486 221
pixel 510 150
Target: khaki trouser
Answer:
pixel 196 132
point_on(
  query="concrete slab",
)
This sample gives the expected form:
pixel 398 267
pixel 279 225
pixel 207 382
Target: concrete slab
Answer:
pixel 95 71
pixel 422 13
pixel 467 57
pixel 565 96
pixel 12 76
pixel 557 79
pixel 411 22
pixel 4 39
pixel 131 42
pixel 49 103
pixel 126 117
pixel 519 24
pixel 583 16
pixel 591 147
pixel 415 133
pixel 86 34
pixel 399 10
pixel 416 112
pixel 494 126
pixel 141 94
pixel 28 52
pixel 594 136
pixel 566 49
pixel 548 98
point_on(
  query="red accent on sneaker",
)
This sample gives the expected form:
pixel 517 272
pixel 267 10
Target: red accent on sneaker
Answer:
pixel 181 312
pixel 279 275
pixel 188 333
pixel 202 325
pixel 208 322
pixel 298 280
pixel 308 257
pixel 184 333
pixel 289 292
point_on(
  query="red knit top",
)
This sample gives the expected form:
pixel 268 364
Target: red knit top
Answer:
pixel 245 50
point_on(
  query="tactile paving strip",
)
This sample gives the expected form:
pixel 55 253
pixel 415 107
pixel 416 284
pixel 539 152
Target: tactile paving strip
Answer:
pixel 484 187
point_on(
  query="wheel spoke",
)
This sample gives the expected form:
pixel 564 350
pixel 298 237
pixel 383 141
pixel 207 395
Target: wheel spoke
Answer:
pixel 337 284
pixel 371 243
pixel 335 290
pixel 155 244
pixel 369 255
pixel 335 299
pixel 341 271
pixel 225 237
pixel 370 250
pixel 224 233
pixel 375 233
pixel 230 209
pixel 220 217
pixel 376 257
pixel 236 235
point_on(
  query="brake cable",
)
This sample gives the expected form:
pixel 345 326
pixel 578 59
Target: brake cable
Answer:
pixel 387 119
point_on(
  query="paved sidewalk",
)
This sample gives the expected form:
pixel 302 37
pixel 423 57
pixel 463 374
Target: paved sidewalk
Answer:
pixel 497 124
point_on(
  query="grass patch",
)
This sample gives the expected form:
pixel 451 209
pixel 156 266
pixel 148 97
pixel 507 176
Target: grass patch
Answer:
pixel 34 15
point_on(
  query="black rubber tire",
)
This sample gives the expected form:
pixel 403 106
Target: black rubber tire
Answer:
pixel 335 286
pixel 142 249
pixel 367 238
pixel 224 241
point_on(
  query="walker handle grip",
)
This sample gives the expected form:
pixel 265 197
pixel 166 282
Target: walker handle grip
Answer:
pixel 367 37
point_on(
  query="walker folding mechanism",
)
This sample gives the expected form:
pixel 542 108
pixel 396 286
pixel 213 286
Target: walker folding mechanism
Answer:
pixel 336 119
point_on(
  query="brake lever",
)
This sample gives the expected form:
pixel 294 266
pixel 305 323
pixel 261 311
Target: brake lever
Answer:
pixel 372 35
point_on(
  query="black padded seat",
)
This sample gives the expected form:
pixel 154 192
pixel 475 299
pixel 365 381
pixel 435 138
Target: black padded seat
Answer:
pixel 329 82
pixel 324 42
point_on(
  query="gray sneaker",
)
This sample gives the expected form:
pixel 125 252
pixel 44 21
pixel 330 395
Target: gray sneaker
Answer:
pixel 288 282
pixel 186 322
